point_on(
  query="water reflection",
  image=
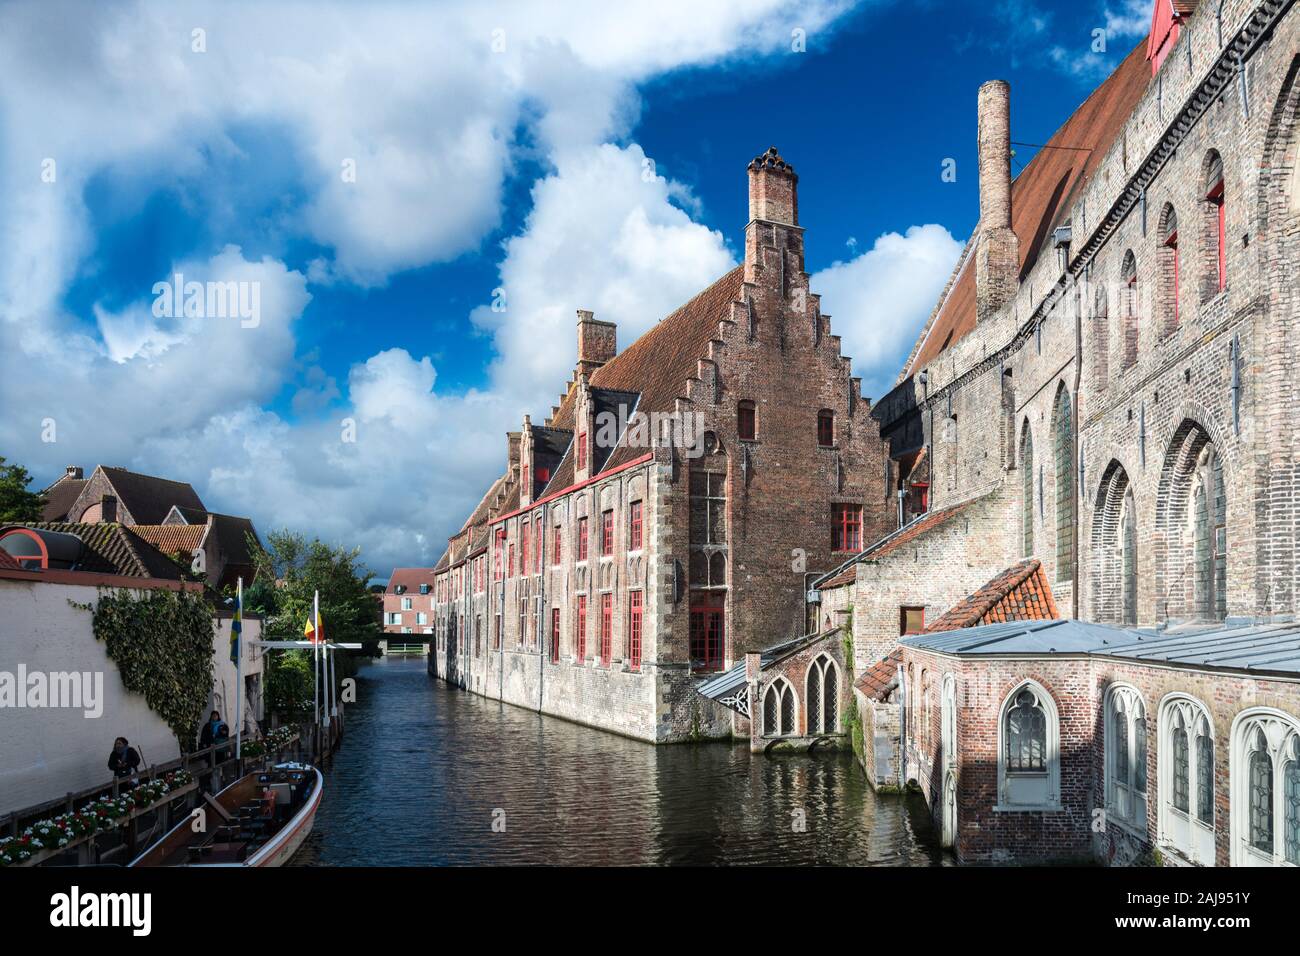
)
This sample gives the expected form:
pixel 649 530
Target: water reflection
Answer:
pixel 426 770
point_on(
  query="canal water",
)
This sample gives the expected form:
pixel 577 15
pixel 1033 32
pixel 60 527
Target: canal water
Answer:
pixel 429 774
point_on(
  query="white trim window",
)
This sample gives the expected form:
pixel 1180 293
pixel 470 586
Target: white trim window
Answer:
pixel 823 696
pixel 394 618
pixel 1126 757
pixel 1186 767
pixel 779 709
pixel 406 604
pixel 1265 785
pixel 1029 750
pixel 948 721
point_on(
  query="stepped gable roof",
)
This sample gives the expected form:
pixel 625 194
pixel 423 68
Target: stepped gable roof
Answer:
pixel 112 549
pixel 918 526
pixel 60 496
pixel 1020 593
pixel 1041 196
pixel 657 365
pixel 881 677
pixel 148 498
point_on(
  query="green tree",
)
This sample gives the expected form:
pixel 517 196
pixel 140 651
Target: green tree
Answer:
pixel 290 570
pixel 17 503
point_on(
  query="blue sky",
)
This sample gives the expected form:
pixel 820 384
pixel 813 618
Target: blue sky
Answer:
pixel 495 146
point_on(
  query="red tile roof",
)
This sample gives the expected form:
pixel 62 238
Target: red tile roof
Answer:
pixel 171 538
pixel 411 577
pixel 1020 593
pixel 882 677
pixel 113 549
pixel 1041 195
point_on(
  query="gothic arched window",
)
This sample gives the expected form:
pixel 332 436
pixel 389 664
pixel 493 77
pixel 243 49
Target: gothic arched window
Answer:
pixel 1168 264
pixel 1027 490
pixel 823 696
pixel 1126 756
pixel 1029 773
pixel 1186 762
pixel 1265 797
pixel 1063 453
pixel 1128 279
pixel 779 709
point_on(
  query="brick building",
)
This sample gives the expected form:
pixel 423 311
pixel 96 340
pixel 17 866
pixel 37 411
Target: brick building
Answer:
pixel 1106 388
pixel 408 602
pixel 666 517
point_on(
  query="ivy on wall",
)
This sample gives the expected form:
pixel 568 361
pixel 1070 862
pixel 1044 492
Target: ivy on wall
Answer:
pixel 161 642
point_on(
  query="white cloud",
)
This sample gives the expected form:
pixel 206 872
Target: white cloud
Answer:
pixel 879 301
pixel 431 114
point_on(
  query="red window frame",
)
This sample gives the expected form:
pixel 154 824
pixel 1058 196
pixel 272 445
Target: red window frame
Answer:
pixel 580 630
pixel 846 527
pixel 607 532
pixel 1215 197
pixel 557 545
pixel 555 635
pixel 634 618
pixel 582 451
pixel 707 638
pixel 510 561
pixel 746 421
pixel 582 539
pixel 543 475
pixel 541 538
pixel 527 485
pixel 525 556
pixel 634 527
pixel 826 428
pixel 499 568
pixel 606 628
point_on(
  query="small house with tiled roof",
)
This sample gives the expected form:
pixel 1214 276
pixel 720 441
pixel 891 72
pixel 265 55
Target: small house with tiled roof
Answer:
pixel 666 517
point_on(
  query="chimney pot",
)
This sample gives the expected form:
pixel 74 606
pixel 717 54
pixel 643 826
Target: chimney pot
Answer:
pixel 73 471
pixel 773 189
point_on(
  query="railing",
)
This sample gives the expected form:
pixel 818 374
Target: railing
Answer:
pixel 213 768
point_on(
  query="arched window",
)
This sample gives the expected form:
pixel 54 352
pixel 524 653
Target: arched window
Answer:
pixel 1265 789
pixel 1126 756
pixel 1114 549
pixel 823 697
pixel 1029 771
pixel 1191 524
pixel 1128 279
pixel 1063 455
pixel 1168 265
pixel 1186 762
pixel 826 428
pixel 923 710
pixel 1027 490
pixel 948 721
pixel 779 709
pixel 746 421
pixel 1214 229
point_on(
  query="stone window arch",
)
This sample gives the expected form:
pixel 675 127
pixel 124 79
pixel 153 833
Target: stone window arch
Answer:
pixel 1168 269
pixel 1192 527
pixel 948 721
pixel 1029 750
pixel 1114 549
pixel 1063 461
pixel 822 696
pixel 1027 490
pixel 1129 300
pixel 1100 351
pixel 1185 762
pixel 1126 756
pixel 779 709
pixel 1264 785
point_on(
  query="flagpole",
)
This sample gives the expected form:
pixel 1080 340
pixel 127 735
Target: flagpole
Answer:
pixel 315 659
pixel 238 624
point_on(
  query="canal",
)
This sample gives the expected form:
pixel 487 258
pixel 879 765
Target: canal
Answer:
pixel 429 775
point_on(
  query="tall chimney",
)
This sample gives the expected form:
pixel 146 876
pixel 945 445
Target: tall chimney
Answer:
pixel 597 342
pixel 773 189
pixel 997 262
pixel 73 471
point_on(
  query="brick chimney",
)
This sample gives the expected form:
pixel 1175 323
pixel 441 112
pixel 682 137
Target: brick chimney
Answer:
pixel 73 471
pixel 526 473
pixel 597 342
pixel 997 255
pixel 108 509
pixel 773 217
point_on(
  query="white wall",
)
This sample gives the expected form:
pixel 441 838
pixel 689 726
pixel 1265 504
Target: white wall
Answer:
pixel 224 678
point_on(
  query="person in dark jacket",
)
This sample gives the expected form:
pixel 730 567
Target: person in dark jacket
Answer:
pixel 123 760
pixel 214 731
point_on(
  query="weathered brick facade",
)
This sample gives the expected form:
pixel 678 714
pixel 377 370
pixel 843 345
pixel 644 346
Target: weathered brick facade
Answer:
pixel 737 508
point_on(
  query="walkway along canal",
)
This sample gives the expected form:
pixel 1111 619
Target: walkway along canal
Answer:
pixel 428 768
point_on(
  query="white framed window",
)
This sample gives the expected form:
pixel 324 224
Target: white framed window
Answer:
pixel 1264 772
pixel 406 604
pixel 1029 750
pixel 406 630
pixel 1185 763
pixel 780 709
pixel 421 617
pixel 393 618
pixel 948 721
pixel 1126 756
pixel 823 696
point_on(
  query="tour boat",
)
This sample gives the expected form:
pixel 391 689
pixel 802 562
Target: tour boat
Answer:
pixel 259 820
